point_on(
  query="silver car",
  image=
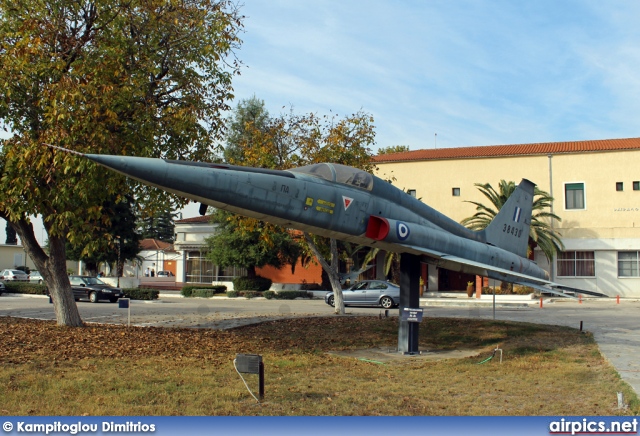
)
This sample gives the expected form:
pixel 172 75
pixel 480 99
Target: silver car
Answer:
pixel 35 277
pixel 368 293
pixel 14 275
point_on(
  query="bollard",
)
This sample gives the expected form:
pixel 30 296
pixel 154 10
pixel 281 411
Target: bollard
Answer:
pixel 617 299
pixel 579 298
pixel 540 302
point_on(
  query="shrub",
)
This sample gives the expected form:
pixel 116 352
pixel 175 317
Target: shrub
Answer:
pixel 232 294
pixel 251 284
pixel 250 294
pixel 522 290
pixel 189 290
pixel 141 293
pixel 268 294
pixel 25 288
pixel 311 287
pixel 203 293
pixel 292 295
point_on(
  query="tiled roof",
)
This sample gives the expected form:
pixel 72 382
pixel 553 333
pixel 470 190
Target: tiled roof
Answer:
pixel 154 244
pixel 195 220
pixel 511 150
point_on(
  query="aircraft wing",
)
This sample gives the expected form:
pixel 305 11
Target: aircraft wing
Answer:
pixel 483 269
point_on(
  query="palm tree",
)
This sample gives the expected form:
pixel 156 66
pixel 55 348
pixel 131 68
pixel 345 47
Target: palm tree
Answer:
pixel 540 232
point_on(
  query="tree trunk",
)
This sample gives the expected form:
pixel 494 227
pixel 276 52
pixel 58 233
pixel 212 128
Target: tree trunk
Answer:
pixel 332 272
pixel 54 272
pixel 251 272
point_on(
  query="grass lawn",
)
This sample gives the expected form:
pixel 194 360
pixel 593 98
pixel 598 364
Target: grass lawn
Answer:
pixel 115 370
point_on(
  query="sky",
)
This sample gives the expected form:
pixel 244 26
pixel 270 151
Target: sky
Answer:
pixel 447 73
pixel 471 72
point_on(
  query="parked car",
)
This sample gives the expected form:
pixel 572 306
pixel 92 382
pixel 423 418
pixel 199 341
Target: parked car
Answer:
pixel 14 274
pixel 35 277
pixel 368 293
pixel 164 274
pixel 93 289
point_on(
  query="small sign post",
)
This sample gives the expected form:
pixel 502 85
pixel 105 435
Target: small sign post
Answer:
pixel 252 364
pixel 123 303
pixel 412 315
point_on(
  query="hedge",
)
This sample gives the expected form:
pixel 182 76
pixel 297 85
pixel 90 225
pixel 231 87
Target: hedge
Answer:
pixel 258 284
pixel 202 291
pixel 282 295
pixel 517 290
pixel 248 294
pixel 292 295
pixel 25 288
pixel 141 293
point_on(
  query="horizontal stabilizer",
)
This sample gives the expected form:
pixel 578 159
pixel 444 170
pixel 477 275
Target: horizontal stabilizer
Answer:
pixel 546 289
pixel 578 291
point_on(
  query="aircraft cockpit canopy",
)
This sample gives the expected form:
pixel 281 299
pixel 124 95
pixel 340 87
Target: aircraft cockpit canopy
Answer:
pixel 338 173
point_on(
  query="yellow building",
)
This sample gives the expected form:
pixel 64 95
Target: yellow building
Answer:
pixel 12 256
pixel 595 184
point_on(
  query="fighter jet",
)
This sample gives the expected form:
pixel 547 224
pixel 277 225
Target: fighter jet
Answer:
pixel 352 205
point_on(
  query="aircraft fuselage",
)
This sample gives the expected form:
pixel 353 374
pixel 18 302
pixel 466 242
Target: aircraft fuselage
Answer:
pixel 333 201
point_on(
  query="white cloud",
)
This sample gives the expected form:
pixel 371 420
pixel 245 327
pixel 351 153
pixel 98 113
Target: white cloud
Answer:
pixel 474 72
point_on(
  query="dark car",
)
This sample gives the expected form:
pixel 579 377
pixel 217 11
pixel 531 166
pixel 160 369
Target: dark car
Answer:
pixel 368 293
pixel 2 288
pixel 93 289
pixel 164 274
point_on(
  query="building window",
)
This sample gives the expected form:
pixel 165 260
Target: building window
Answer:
pixel 576 264
pixel 411 192
pixel 574 195
pixel 619 186
pixel 199 269
pixel 455 192
pixel 636 186
pixel 628 264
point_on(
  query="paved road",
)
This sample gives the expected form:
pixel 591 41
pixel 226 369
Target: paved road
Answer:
pixel 615 326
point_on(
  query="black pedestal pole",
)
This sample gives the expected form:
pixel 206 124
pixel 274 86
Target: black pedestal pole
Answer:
pixel 410 298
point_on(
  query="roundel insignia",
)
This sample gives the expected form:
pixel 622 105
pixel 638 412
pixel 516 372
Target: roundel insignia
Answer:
pixel 402 230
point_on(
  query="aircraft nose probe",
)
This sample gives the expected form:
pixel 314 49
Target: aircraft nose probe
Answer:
pixel 64 149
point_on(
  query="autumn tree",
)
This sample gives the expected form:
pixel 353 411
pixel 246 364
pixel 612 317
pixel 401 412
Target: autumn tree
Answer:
pixel 249 248
pixel 145 78
pixel 250 116
pixel 292 140
pixel 240 241
pixel 393 149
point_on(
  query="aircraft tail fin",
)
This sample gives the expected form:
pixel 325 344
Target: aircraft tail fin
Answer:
pixel 509 229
